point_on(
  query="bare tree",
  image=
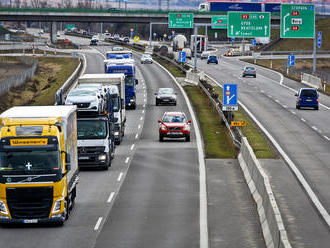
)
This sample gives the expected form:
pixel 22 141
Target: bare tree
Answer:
pixel 43 4
pixel 17 3
pixel 35 3
pixel 68 4
pixel 24 4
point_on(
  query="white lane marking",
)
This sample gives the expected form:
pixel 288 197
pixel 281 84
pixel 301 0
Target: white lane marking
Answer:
pixel 262 91
pixel 145 99
pixel 293 112
pixel 277 101
pixel 315 128
pixel 270 96
pixel 142 111
pixel 144 95
pixel 132 147
pixel 111 196
pixel 141 118
pixel 126 160
pixel 136 136
pixel 120 177
pixel 144 105
pixel 284 106
pixel 98 223
pixel 326 137
pixel 303 120
pixel 203 224
pixel 323 212
pixel 139 126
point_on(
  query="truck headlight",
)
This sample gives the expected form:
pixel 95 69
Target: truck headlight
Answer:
pixel 116 133
pixel 57 206
pixel 132 100
pixel 3 208
pixel 102 157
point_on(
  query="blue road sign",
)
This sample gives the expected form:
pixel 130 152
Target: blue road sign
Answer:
pixel 254 42
pixel 232 38
pixel 291 60
pixel 230 97
pixel 319 39
pixel 182 57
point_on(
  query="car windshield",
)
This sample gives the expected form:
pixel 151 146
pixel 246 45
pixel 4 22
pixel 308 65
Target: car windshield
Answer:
pixel 129 80
pixel 308 93
pixel 163 91
pixel 249 68
pixel 82 92
pixel 212 57
pixel 174 118
pixel 29 160
pixel 94 86
pixel 91 129
pixel 146 56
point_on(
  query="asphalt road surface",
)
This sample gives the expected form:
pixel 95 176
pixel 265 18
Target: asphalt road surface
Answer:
pixel 303 134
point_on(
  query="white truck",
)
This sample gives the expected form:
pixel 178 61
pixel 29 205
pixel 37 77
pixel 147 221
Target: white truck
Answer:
pixel 118 96
pixel 179 42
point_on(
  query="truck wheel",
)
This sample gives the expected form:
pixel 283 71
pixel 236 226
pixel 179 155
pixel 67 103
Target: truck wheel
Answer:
pixel 134 106
pixel 161 138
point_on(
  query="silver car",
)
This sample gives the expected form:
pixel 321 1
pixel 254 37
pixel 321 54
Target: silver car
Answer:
pixel 165 96
pixel 86 99
pixel 146 58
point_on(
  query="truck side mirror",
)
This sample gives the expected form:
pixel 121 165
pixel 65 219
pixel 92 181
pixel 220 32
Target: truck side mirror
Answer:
pixel 67 161
pixel 122 104
pixel 59 97
pixel 136 81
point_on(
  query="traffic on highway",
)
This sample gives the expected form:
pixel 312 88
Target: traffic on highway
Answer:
pixel 204 135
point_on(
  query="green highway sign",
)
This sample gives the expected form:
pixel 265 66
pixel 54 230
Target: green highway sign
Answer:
pixel 297 21
pixel 248 24
pixel 69 26
pixel 180 20
pixel 219 22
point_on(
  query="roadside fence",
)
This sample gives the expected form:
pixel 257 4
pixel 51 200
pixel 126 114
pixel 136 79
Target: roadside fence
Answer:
pixel 21 77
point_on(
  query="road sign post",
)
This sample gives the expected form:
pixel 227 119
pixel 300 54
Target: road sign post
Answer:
pixel 298 21
pixel 219 22
pixel 180 20
pixel 230 100
pixel 182 57
pixel 248 24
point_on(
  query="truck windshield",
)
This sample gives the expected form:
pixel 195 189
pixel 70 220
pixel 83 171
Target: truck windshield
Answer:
pixel 129 80
pixel 116 102
pixel 92 129
pixel 17 161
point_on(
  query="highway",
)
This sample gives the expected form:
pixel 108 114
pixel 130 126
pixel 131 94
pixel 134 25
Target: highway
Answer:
pixel 150 196
pixel 304 135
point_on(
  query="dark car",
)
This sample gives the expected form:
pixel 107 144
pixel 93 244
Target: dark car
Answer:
pixel 93 43
pixel 165 96
pixel 307 97
pixel 249 71
pixel 212 59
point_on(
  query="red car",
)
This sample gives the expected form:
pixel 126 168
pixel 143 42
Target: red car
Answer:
pixel 174 125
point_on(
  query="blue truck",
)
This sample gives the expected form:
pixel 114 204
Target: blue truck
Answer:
pixel 126 54
pixel 127 67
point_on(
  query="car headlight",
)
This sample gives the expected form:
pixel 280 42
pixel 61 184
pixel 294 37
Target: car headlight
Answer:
pixel 102 157
pixel 116 133
pixel 132 100
pixel 57 206
pixel 186 127
pixel 68 103
pixel 163 127
pixel 3 208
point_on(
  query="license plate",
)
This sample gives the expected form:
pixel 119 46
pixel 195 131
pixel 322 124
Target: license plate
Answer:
pixel 174 133
pixel 165 100
pixel 30 221
pixel 83 158
pixel 308 100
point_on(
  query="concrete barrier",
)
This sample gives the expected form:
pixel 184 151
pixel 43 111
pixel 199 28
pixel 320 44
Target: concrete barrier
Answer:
pixel 269 215
pixel 311 80
pixel 192 77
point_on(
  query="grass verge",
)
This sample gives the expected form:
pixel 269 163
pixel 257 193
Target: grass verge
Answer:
pixel 51 74
pixel 257 140
pixel 217 140
pixel 175 71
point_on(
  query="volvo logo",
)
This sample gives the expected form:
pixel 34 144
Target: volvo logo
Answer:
pixel 29 179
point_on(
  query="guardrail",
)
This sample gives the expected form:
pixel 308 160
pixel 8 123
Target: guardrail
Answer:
pixel 18 79
pixel 311 80
pixel 64 90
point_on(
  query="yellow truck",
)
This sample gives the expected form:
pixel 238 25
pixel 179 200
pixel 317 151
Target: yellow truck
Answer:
pixel 38 164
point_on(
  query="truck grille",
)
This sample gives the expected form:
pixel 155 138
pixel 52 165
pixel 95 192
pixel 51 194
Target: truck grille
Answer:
pixel 30 203
pixel 90 150
pixel 174 128
pixel 82 104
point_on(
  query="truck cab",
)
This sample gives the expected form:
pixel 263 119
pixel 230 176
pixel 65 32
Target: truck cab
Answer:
pixel 128 69
pixel 38 164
